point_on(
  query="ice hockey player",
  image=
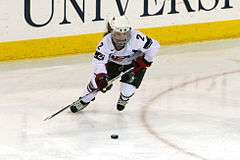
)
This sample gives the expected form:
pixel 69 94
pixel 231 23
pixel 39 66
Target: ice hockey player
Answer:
pixel 121 49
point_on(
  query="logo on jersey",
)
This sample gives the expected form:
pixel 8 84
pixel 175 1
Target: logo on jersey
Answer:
pixel 136 51
pixel 119 58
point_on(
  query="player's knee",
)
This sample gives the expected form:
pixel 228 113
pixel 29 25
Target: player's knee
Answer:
pixel 127 77
pixel 127 89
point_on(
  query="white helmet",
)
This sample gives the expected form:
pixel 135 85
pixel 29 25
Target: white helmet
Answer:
pixel 120 31
pixel 120 24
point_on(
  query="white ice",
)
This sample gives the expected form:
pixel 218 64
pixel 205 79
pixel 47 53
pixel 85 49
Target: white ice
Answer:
pixel 187 108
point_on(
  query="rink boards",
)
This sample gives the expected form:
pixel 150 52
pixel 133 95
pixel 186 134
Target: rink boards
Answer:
pixel 50 28
pixel 86 43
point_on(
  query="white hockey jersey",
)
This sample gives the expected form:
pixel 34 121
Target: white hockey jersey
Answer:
pixel 139 44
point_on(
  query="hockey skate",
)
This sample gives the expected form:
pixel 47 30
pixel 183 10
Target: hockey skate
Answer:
pixel 121 103
pixel 78 105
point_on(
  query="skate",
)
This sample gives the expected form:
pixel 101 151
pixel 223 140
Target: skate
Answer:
pixel 78 105
pixel 121 104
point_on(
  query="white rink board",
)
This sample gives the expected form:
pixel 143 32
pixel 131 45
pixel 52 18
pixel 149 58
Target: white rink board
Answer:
pixel 13 25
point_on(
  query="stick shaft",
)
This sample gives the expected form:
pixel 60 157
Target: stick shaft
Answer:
pixel 63 109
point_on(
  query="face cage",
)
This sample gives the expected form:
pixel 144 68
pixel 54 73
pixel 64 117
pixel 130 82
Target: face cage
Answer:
pixel 120 39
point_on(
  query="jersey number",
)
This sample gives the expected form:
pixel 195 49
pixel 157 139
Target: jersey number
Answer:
pixel 140 37
pixel 101 44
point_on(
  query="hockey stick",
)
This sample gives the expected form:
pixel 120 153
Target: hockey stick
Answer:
pixel 109 83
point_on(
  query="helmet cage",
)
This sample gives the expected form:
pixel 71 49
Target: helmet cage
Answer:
pixel 120 39
pixel 120 30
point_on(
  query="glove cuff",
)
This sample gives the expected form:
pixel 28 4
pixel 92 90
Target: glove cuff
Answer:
pixel 148 64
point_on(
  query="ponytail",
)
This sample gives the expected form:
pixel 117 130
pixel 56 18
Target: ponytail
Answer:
pixel 109 29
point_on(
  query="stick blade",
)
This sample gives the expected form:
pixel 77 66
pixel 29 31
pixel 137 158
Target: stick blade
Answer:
pixel 53 115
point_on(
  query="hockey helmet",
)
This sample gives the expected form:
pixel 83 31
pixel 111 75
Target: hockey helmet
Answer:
pixel 121 29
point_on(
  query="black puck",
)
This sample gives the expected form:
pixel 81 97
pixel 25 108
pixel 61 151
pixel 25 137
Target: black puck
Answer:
pixel 120 107
pixel 114 136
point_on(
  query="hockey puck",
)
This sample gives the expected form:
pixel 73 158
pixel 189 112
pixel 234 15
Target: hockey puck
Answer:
pixel 114 136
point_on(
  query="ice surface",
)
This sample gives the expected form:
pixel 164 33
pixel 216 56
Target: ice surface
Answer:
pixel 187 108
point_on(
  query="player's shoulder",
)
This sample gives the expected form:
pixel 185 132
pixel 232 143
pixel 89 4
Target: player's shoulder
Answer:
pixel 106 38
pixel 105 44
pixel 137 32
pixel 140 39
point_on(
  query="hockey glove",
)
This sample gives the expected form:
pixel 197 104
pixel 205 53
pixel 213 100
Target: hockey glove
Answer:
pixel 102 81
pixel 140 64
